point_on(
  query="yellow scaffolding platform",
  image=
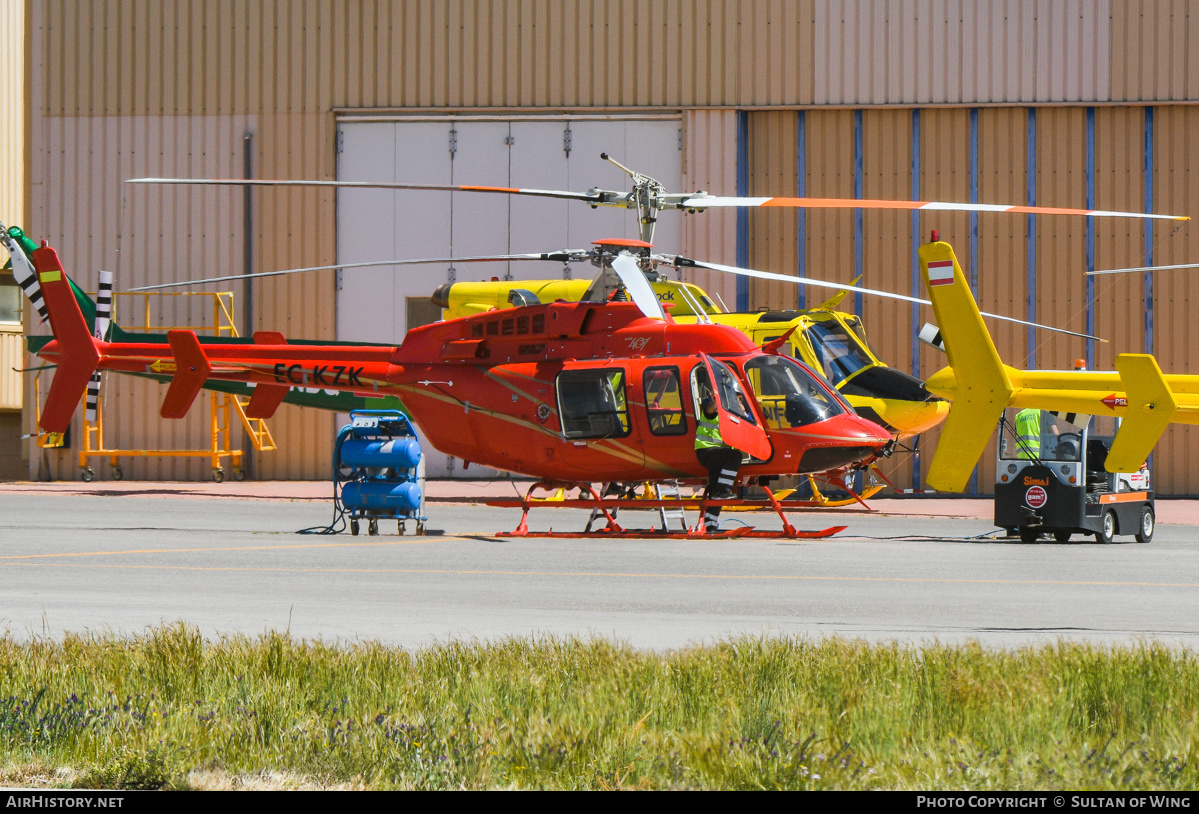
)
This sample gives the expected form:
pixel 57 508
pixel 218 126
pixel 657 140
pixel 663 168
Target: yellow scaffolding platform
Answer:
pixel 222 406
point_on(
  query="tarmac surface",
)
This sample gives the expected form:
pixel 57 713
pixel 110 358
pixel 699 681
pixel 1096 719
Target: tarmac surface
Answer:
pixel 122 557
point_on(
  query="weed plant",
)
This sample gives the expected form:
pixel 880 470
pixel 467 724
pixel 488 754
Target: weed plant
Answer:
pixel 152 711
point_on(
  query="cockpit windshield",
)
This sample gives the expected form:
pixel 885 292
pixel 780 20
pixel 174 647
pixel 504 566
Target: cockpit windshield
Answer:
pixel 1032 434
pixel 790 396
pixel 837 349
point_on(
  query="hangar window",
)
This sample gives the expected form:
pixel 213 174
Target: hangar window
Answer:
pixel 592 403
pixel 10 299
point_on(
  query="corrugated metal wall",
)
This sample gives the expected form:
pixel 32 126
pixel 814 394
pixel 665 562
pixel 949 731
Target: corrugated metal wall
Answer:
pixel 125 88
pixel 984 154
pixel 220 57
pixel 12 355
pixel 12 201
pixel 709 138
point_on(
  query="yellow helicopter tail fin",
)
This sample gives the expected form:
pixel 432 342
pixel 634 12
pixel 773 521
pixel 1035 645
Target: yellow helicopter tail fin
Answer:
pixel 1151 406
pixel 976 380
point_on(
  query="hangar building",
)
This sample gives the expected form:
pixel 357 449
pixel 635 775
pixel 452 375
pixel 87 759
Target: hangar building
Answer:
pixel 1075 103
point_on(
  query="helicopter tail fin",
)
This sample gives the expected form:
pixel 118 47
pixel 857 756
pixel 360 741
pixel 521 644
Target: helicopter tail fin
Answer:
pixel 78 354
pixel 977 380
pixel 1151 406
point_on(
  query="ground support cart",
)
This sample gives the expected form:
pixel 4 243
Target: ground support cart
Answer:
pixel 378 471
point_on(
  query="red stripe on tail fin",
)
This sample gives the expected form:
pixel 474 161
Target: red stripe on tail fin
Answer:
pixel 77 353
pixel 191 371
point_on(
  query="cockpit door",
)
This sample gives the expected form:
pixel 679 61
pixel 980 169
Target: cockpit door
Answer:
pixel 739 425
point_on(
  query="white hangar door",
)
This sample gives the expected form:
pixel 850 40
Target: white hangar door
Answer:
pixel 379 304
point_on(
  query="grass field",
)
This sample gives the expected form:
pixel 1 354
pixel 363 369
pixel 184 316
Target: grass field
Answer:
pixel 169 709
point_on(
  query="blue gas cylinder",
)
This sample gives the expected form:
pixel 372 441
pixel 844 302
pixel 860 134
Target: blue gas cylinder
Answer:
pixel 392 496
pixel 397 453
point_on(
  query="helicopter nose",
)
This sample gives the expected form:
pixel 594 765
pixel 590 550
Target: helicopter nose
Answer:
pixel 896 400
pixel 840 441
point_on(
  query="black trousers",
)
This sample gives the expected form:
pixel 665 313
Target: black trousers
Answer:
pixel 722 464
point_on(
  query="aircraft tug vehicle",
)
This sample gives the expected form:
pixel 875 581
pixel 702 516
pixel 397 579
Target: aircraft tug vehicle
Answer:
pixel 1057 485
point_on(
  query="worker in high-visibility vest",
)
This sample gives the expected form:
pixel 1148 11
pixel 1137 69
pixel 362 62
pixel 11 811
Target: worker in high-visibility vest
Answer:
pixel 1028 434
pixel 721 461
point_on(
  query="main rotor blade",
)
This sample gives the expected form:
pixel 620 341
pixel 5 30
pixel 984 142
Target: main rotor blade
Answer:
pixel 556 256
pixel 683 262
pixel 705 202
pixel 1145 268
pixel 590 197
pixel 635 283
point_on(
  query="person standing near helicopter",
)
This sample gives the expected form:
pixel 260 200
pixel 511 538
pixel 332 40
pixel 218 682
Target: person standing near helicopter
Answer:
pixel 721 461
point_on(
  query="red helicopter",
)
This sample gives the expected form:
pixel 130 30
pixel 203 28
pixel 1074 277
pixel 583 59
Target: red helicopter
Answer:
pixel 567 392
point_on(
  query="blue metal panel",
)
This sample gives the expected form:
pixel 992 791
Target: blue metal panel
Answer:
pixel 1030 236
pixel 1090 236
pixel 916 284
pixel 974 199
pixel 801 190
pixel 974 236
pixel 1149 304
pixel 857 213
pixel 857 231
pixel 742 212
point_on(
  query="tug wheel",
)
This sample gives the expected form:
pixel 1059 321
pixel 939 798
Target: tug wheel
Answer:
pixel 1029 534
pixel 1107 530
pixel 1062 536
pixel 1146 526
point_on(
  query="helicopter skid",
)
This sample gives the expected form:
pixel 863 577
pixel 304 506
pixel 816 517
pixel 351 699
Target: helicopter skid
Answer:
pixel 653 533
pixel 608 507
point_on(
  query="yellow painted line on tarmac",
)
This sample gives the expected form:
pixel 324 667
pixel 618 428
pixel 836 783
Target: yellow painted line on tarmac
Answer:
pixel 627 575
pixel 421 541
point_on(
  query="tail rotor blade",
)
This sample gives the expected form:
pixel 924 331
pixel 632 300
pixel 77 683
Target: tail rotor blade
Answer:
pixel 103 320
pixel 24 274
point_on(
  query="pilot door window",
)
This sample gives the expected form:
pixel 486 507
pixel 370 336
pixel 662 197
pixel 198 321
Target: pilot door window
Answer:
pixel 664 401
pixel 592 403
pixel 728 389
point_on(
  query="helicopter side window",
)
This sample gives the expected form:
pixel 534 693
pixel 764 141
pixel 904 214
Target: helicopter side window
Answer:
pixel 838 351
pixel 664 401
pixel 789 394
pixel 592 403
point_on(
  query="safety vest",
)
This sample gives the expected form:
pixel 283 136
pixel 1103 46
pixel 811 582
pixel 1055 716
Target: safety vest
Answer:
pixel 707 432
pixel 1028 433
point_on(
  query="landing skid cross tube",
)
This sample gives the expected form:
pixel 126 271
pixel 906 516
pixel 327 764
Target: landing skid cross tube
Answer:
pixel 609 506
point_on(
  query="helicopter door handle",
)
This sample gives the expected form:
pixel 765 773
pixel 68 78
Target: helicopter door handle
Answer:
pixel 734 419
